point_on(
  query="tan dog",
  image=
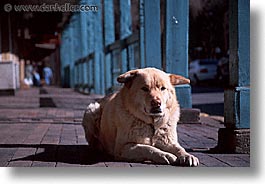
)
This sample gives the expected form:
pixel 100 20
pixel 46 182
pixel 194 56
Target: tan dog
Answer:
pixel 139 122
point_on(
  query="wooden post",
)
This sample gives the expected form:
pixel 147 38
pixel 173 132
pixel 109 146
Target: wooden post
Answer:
pixel 71 54
pixel 66 56
pixel 239 66
pixel 62 49
pixel 85 68
pixel 76 48
pixel 125 29
pixel 236 136
pixel 91 48
pixel 109 37
pixel 125 18
pixel 83 31
pixel 1 37
pixel 176 45
pixel 91 75
pixel 84 41
pixel 22 70
pixel 77 51
pixel 63 53
pixel 99 79
pixel 150 34
pixel 142 37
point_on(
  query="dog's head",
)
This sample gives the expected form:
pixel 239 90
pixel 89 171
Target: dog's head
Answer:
pixel 149 91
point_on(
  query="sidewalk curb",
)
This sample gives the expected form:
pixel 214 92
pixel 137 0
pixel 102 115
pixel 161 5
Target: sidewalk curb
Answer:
pixel 189 116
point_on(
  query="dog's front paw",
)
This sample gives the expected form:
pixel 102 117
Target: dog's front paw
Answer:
pixel 188 160
pixel 165 158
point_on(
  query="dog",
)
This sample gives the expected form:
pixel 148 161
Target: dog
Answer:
pixel 139 122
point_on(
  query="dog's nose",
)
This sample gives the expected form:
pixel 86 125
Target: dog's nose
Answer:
pixel 156 103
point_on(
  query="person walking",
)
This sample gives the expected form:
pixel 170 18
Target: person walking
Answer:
pixel 36 77
pixel 47 72
pixel 29 77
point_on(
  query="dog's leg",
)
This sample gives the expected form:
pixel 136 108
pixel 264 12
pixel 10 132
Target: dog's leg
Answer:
pixel 90 124
pixel 184 158
pixel 141 153
pixel 166 139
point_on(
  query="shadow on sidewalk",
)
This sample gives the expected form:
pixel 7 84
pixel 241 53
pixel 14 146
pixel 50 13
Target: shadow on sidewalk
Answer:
pixel 71 154
pixel 216 109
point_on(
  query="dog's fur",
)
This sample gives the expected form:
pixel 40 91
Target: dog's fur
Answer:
pixel 139 122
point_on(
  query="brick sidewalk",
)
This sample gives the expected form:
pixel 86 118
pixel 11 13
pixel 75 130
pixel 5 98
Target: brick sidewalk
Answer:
pixel 42 128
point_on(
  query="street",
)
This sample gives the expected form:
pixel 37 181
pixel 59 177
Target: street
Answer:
pixel 209 99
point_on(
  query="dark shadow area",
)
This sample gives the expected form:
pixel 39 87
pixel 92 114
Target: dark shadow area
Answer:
pixel 7 92
pixel 46 102
pixel 43 91
pixel 213 109
pixel 71 154
pixel 206 89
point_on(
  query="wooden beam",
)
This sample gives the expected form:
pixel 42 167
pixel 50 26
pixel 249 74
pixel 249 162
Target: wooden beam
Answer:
pixel 141 35
pixel 99 79
pixel 239 45
pixel 125 19
pixel 125 29
pixel 176 45
pixel 83 31
pixel 71 54
pixel 109 29
pixel 176 37
pixel 237 100
pixel 109 38
pixel 150 35
pixel 76 52
pixel 236 136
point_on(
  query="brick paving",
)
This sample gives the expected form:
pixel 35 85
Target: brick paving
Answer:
pixel 42 128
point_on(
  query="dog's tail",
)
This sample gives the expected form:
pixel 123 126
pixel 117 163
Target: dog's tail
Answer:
pixel 91 124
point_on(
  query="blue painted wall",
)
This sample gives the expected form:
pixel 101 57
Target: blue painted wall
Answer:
pixel 85 35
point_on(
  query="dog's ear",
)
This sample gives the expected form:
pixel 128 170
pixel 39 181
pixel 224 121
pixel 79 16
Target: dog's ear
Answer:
pixel 177 80
pixel 127 77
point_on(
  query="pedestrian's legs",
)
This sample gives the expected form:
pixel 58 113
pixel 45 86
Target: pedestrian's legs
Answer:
pixel 47 80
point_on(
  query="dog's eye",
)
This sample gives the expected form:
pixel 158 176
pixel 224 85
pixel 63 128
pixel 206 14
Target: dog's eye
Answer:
pixel 162 88
pixel 145 89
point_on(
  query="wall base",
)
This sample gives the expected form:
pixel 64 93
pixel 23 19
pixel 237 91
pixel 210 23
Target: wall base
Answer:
pixel 7 92
pixel 189 115
pixel 233 140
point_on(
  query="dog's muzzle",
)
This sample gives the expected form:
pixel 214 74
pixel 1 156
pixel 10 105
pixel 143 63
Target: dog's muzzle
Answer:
pixel 156 110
